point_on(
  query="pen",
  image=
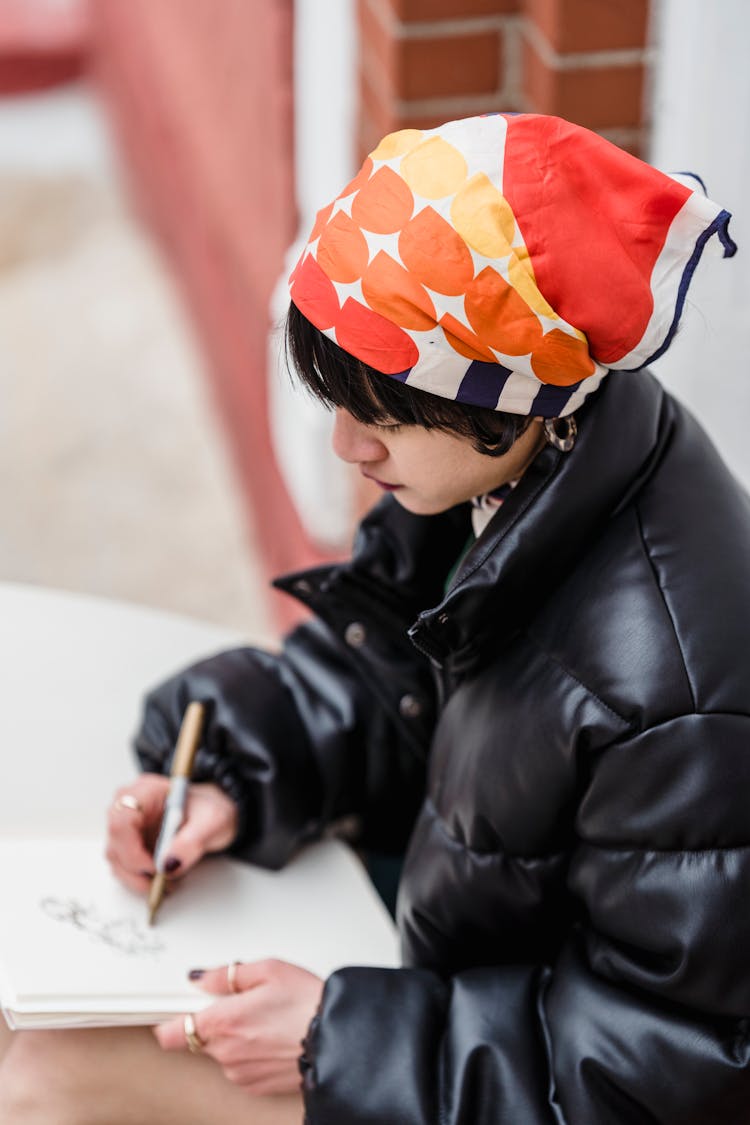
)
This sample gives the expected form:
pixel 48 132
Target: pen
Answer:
pixel 174 809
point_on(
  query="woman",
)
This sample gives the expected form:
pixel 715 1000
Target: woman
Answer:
pixel 531 677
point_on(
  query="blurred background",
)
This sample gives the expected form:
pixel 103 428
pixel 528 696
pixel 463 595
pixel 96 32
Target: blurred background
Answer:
pixel 160 161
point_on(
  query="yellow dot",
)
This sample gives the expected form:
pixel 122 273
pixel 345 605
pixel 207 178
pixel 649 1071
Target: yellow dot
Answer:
pixel 396 144
pixel 434 169
pixel 483 217
pixel 521 277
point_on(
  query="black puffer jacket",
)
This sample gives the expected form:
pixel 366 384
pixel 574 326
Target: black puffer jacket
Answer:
pixel 564 743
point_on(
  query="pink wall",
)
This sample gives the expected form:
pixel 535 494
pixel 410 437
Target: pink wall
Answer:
pixel 201 97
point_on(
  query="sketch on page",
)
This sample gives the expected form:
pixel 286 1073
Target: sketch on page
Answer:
pixel 124 935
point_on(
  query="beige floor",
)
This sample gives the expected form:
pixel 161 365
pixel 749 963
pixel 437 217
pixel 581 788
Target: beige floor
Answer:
pixel 114 478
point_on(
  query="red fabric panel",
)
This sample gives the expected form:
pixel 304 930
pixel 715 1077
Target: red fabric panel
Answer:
pixel 588 280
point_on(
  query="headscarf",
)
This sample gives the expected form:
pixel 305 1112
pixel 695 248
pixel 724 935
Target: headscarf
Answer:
pixel 508 260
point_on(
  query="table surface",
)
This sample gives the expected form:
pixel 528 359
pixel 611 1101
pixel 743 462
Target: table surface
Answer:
pixel 73 672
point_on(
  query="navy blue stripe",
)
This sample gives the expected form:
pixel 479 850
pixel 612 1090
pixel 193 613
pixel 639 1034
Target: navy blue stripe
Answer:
pixel 696 177
pixel 402 376
pixel 550 400
pixel 482 383
pixel 718 226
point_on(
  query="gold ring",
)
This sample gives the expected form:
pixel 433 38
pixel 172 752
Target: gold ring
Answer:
pixel 193 1039
pixel 232 976
pixel 128 801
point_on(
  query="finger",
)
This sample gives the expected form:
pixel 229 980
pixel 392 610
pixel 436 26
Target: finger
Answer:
pixel 192 841
pixel 125 846
pixel 171 1035
pixel 186 850
pixel 149 791
pixel 216 813
pixel 130 830
pixel 234 977
pixel 272 1076
pixel 139 883
pixel 129 855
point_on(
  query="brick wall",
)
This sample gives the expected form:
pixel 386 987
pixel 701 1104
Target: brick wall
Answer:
pixel 425 61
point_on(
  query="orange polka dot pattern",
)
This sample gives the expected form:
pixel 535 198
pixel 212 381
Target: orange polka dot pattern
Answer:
pixel 429 264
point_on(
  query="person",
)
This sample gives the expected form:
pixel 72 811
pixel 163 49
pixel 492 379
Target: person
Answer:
pixel 529 681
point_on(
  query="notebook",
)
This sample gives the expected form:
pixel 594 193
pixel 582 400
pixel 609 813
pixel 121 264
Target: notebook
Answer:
pixel 76 949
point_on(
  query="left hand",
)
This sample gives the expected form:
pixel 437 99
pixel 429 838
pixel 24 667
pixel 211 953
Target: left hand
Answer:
pixel 256 1034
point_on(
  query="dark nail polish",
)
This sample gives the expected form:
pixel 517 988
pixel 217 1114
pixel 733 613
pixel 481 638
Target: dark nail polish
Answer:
pixel 171 863
pixel 196 974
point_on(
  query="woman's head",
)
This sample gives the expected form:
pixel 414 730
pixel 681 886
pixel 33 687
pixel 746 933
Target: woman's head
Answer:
pixel 430 452
pixel 502 262
pixel 341 381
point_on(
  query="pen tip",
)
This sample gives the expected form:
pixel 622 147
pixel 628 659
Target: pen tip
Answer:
pixel 155 896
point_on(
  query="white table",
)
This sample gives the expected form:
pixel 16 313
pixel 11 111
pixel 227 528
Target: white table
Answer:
pixel 73 671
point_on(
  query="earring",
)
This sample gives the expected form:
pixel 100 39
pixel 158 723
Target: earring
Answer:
pixel 564 439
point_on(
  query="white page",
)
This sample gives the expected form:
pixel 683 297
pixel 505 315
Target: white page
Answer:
pixel 73 940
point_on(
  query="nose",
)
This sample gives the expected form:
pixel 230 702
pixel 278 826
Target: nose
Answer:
pixel 355 442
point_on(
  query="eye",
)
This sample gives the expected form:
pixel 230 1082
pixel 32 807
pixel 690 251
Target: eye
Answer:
pixel 391 427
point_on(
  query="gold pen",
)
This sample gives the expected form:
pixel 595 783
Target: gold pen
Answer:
pixel 174 809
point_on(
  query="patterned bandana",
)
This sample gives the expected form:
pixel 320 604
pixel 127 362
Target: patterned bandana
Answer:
pixel 508 261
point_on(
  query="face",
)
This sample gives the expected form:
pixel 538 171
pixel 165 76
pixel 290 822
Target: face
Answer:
pixel 429 471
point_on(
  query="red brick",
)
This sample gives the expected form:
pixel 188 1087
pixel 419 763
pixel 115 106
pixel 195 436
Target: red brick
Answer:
pixel 598 98
pixel 411 11
pixel 378 117
pixel 494 104
pixel 449 66
pixel 434 66
pixel 590 25
pixel 635 148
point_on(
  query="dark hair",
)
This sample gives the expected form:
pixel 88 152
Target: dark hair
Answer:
pixel 338 379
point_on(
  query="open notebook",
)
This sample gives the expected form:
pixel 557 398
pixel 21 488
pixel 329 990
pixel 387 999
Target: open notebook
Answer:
pixel 76 950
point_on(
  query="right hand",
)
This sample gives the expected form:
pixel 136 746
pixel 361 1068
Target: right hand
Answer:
pixel 210 826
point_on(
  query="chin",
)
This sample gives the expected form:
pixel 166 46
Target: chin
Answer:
pixel 421 506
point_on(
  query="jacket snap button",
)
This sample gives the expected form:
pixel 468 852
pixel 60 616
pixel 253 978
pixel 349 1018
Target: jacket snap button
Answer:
pixel 410 707
pixel 355 634
pixel 443 619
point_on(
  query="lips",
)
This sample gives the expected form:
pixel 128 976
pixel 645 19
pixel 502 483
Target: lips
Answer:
pixel 381 483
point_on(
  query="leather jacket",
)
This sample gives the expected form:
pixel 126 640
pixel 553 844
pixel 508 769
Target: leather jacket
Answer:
pixel 561 743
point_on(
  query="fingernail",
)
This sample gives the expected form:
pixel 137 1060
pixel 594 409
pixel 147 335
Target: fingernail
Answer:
pixel 196 974
pixel 171 863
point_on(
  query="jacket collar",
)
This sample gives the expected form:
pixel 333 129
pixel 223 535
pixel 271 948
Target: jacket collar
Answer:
pixel 559 507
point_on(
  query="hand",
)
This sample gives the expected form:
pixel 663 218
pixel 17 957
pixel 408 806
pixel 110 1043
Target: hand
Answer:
pixel 255 1036
pixel 210 826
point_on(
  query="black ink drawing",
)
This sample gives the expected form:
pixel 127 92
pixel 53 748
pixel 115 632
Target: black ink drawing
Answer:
pixel 121 934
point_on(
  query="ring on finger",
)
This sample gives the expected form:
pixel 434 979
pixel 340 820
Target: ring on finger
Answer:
pixel 194 1041
pixel 128 801
pixel 232 976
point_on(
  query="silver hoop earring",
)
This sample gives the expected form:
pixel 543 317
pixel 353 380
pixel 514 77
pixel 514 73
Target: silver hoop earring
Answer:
pixel 561 433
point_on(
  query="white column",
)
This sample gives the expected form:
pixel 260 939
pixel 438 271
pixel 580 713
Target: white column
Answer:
pixel 325 85
pixel 701 109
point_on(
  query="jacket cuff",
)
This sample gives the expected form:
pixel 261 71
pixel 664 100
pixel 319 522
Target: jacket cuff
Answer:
pixel 362 1063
